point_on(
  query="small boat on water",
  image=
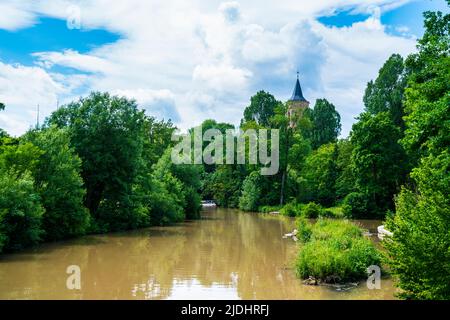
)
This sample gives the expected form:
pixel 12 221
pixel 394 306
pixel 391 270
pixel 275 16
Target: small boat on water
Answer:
pixel 208 204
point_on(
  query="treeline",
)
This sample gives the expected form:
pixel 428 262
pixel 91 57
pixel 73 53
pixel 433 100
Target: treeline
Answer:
pixel 361 174
pixel 394 165
pixel 97 165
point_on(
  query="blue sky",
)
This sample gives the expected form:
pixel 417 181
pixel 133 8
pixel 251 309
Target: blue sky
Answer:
pixel 190 62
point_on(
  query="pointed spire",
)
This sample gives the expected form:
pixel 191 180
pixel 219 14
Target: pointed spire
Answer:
pixel 298 94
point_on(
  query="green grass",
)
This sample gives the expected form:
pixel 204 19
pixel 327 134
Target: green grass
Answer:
pixel 334 251
pixel 268 209
pixel 311 211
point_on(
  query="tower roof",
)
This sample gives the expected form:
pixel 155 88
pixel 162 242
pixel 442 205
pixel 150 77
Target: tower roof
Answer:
pixel 298 94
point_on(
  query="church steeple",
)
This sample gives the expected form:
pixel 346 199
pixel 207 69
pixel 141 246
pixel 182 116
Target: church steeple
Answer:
pixel 297 104
pixel 298 94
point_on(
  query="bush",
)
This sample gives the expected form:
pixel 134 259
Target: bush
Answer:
pixel 269 209
pixel 291 210
pixel 58 181
pixel 356 205
pixel 334 251
pixel 419 249
pixel 334 212
pixel 311 210
pixel 304 230
pixel 251 192
pixel 20 213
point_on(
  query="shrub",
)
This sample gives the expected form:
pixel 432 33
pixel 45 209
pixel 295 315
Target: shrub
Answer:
pixel 304 230
pixel 356 205
pixel 311 210
pixel 268 209
pixel 58 181
pixel 291 210
pixel 419 248
pixel 334 251
pixel 20 213
pixel 334 212
pixel 251 192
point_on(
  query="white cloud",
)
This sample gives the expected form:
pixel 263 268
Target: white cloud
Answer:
pixel 158 103
pixel 22 89
pixel 73 59
pixel 221 78
pixel 202 59
pixel 14 16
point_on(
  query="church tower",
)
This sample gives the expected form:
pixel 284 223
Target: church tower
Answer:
pixel 297 104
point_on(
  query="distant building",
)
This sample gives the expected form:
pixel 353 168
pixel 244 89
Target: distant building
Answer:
pixel 297 104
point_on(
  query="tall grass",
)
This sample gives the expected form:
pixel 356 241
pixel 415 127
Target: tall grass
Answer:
pixel 334 251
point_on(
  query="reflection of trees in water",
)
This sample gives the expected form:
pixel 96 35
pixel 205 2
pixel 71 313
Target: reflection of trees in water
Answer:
pixel 40 273
pixel 239 244
pixel 232 249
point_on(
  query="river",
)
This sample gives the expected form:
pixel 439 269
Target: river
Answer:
pixel 226 255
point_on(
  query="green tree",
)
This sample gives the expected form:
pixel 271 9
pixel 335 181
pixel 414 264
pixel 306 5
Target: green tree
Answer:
pixel 157 138
pixel 107 133
pixel 224 185
pixel 261 109
pixel 427 102
pixel 251 192
pixel 419 249
pixel 58 181
pixel 385 94
pixel 20 208
pixel 20 212
pixel 378 161
pixel 319 175
pixel 326 123
pixel 345 182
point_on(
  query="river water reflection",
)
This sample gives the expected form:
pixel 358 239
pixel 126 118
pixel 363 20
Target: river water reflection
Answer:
pixel 226 255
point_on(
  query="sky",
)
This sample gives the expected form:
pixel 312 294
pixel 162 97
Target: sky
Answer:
pixel 194 60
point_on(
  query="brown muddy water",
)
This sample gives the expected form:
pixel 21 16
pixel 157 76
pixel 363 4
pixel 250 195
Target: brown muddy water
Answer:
pixel 226 255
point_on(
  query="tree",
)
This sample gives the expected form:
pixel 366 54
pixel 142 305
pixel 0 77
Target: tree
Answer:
pixel 319 175
pixel 107 133
pixel 224 185
pixel 20 212
pixel 261 109
pixel 158 137
pixel 20 208
pixel 378 161
pixel 326 123
pixel 419 249
pixel 427 101
pixel 345 183
pixel 58 181
pixel 251 192
pixel 385 94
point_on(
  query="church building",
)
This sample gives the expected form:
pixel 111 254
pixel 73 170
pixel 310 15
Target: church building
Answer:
pixel 297 104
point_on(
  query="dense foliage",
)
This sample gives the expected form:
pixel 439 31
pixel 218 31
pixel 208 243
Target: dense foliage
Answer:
pixel 98 165
pixel 419 253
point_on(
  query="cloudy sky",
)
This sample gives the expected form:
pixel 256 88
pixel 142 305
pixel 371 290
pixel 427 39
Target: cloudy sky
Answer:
pixel 193 60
